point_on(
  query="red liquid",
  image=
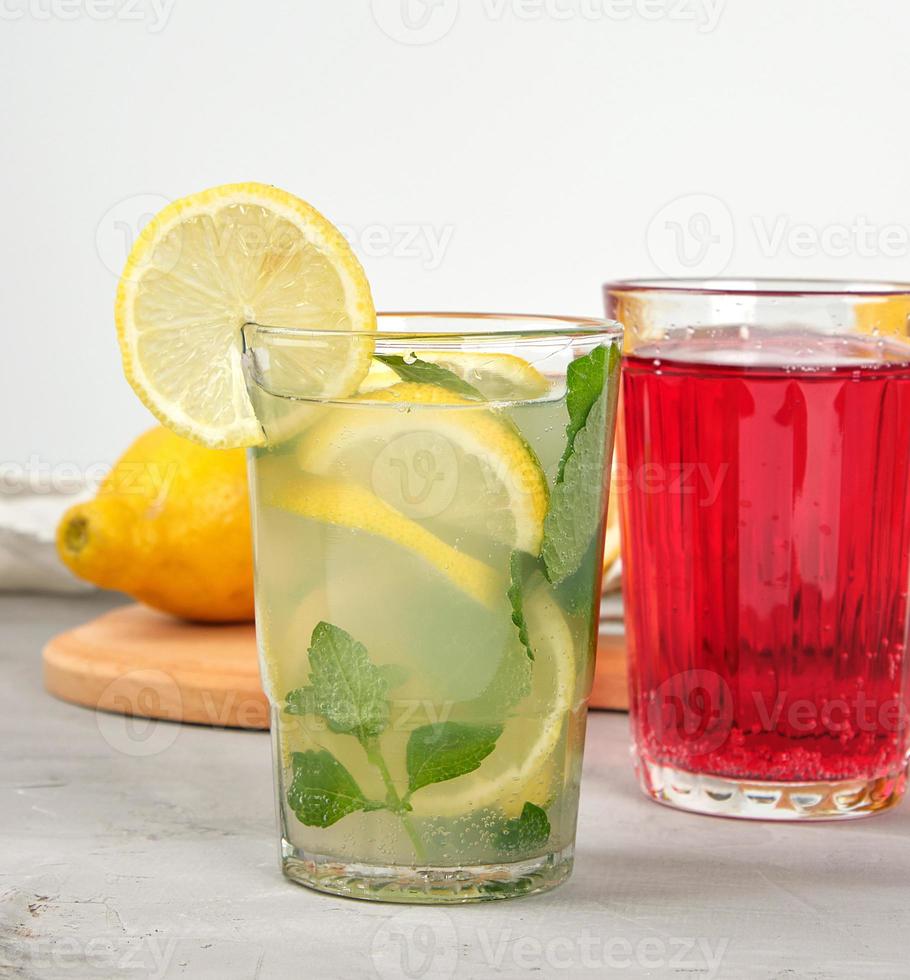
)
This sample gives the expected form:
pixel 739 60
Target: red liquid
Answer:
pixel 766 546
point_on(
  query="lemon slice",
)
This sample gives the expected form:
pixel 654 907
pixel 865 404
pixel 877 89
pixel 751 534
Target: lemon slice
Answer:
pixel 442 458
pixel 345 504
pixel 498 377
pixel 521 767
pixel 211 262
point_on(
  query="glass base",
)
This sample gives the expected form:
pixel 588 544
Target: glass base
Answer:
pixel 755 800
pixel 426 886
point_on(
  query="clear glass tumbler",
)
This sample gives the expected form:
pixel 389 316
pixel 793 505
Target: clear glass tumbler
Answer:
pixel 763 478
pixel 428 558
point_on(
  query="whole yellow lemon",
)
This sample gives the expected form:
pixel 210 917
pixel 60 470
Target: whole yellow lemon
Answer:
pixel 170 526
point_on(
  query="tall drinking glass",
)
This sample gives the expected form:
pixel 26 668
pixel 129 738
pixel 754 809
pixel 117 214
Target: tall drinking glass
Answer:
pixel 428 556
pixel 764 463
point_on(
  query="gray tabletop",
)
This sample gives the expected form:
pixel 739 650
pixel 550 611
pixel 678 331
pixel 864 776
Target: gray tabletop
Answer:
pixel 146 850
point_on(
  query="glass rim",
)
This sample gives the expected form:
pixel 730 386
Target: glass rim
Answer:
pixel 523 326
pixel 760 287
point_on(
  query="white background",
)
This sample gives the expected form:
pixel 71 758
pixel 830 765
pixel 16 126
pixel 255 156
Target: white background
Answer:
pixel 495 154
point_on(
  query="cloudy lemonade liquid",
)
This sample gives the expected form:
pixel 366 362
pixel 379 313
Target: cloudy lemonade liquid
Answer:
pixel 396 522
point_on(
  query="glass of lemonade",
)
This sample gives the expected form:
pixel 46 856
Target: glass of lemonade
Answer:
pixel 428 561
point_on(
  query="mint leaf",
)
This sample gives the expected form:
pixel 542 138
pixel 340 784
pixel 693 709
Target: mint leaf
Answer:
pixel 528 832
pixel 395 675
pixel 446 750
pixel 516 584
pixel 322 791
pixel 585 379
pixel 577 593
pixel 349 691
pixel 424 372
pixel 300 701
pixel 578 499
pixel 576 504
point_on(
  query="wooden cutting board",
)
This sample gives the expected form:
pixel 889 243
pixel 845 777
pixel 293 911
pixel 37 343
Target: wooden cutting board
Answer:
pixel 135 661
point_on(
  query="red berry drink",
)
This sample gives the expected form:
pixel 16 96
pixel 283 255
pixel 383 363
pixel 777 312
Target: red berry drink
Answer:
pixel 765 481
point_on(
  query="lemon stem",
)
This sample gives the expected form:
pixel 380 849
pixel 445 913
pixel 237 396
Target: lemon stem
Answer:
pixel 75 536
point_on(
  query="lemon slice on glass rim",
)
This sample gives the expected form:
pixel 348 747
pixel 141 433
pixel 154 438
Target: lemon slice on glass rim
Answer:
pixel 211 262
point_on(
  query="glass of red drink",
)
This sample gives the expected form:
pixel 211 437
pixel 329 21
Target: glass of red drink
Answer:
pixel 764 481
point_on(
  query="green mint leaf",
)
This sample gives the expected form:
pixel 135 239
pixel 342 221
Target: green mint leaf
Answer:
pixel 395 674
pixel 300 701
pixel 578 499
pixel 516 584
pixel 446 750
pixel 578 592
pixel 577 504
pixel 585 378
pixel 322 791
pixel 423 372
pixel 350 692
pixel 528 832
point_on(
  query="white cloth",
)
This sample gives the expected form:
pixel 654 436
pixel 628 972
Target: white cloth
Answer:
pixel 28 554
